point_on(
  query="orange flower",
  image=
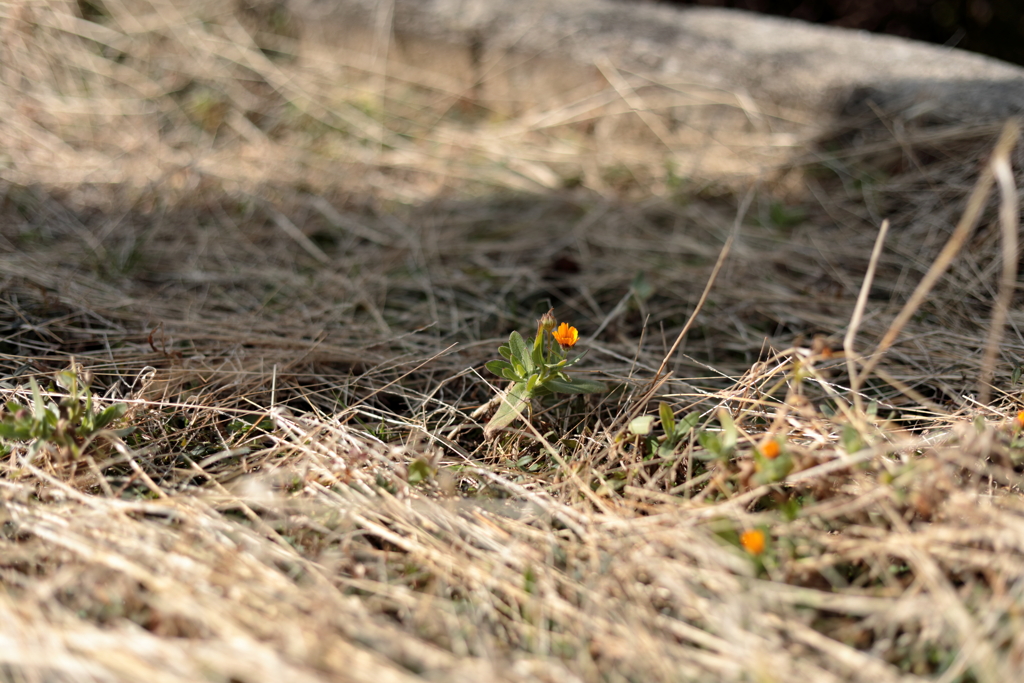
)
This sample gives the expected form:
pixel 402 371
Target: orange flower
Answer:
pixel 753 541
pixel 770 449
pixel 566 336
pixel 1020 418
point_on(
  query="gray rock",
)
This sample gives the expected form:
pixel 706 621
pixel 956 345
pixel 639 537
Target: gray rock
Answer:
pixel 709 93
pixel 786 62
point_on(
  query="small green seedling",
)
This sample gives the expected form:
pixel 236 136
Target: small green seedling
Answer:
pixel 70 425
pixel 674 431
pixel 721 444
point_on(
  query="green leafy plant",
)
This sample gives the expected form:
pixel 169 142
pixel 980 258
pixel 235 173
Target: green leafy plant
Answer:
pixel 70 425
pixel 537 371
pixel 721 444
pixel 772 461
pixel 674 430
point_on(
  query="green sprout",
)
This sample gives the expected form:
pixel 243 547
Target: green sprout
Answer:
pixel 538 371
pixel 69 425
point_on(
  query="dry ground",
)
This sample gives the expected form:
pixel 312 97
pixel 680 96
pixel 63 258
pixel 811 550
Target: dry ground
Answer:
pixel 292 271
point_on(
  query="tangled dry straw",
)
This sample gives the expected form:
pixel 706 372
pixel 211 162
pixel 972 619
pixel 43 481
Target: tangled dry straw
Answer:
pixel 317 275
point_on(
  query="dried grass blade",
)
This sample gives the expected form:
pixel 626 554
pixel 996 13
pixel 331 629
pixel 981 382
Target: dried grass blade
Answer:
pixel 969 219
pixel 858 315
pixel 1009 221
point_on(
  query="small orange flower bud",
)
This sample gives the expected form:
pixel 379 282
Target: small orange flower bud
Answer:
pixel 753 541
pixel 566 336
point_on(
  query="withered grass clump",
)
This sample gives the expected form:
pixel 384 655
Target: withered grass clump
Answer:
pixel 807 465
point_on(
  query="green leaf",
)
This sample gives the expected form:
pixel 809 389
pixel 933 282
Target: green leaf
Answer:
pixel 641 426
pixel 555 384
pixel 642 289
pixel 109 414
pixel 679 429
pixel 589 386
pixel 851 439
pixel 49 418
pixel 39 408
pixel 67 380
pixel 710 442
pixel 529 581
pixel 667 449
pixel 577 359
pixel 512 375
pixel 511 407
pixel 668 419
pixel 730 436
pixel 419 471
pixel 774 470
pixel 538 352
pixel 498 367
pixel 520 351
pixel 783 216
pixel 790 509
pixel 12 431
pixel 505 351
pixel 687 424
pixel 575 386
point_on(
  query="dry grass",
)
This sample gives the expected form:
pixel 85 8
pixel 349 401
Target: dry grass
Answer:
pixel 317 273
